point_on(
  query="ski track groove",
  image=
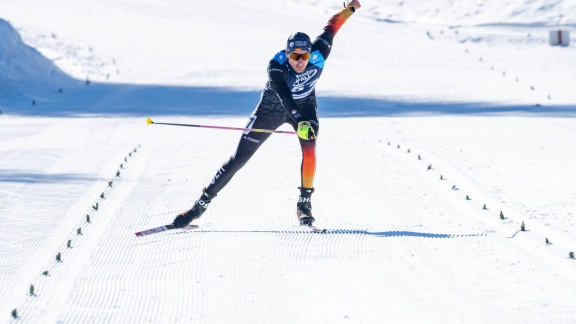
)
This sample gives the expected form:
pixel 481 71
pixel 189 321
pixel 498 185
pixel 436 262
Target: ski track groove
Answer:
pixel 526 244
pixel 39 176
pixel 262 267
pixel 61 275
pixel 135 256
pixel 480 197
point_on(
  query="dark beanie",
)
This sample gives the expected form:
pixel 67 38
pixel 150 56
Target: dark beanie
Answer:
pixel 298 41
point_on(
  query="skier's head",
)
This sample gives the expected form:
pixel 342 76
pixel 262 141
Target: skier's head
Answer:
pixel 298 41
pixel 298 48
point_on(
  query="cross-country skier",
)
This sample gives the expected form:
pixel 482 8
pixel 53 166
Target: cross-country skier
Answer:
pixel 288 97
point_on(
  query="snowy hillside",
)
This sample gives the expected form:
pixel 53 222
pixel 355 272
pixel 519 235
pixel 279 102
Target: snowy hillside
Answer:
pixel 20 62
pixel 445 164
pixel 22 66
pixel 469 13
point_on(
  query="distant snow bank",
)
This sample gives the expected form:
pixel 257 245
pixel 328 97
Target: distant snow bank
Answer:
pixel 473 12
pixel 20 62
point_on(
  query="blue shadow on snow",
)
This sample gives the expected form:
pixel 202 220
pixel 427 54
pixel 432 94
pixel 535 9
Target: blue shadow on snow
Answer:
pixel 105 99
pixel 341 231
pixel 16 176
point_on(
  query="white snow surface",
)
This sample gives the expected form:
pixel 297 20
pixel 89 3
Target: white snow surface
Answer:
pixel 446 128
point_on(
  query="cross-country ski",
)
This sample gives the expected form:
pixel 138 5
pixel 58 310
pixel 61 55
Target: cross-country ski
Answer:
pixel 312 228
pixel 163 228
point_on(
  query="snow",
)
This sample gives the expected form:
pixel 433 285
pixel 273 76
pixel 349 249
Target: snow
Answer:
pixel 421 106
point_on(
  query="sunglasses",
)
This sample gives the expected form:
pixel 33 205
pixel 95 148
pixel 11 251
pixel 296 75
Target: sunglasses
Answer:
pixel 296 56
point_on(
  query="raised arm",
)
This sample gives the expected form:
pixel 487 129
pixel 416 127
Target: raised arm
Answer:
pixel 323 42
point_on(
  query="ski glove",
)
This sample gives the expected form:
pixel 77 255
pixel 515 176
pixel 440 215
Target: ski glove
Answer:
pixel 305 131
pixel 354 5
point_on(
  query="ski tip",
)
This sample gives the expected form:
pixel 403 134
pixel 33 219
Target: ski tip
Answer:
pixel 154 230
pixel 164 228
pixel 319 230
pixel 315 229
pixel 149 121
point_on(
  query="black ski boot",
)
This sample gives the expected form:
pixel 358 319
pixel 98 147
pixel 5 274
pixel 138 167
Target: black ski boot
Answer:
pixel 199 208
pixel 304 206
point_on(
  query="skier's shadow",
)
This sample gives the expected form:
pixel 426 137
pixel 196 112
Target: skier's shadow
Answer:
pixel 418 234
pixel 398 233
pixel 341 231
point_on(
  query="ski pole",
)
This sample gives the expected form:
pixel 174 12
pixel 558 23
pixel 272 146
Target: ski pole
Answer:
pixel 149 122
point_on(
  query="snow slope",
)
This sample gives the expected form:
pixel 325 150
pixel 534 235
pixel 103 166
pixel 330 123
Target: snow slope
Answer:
pixel 470 13
pixel 443 131
pixel 19 61
pixel 22 66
